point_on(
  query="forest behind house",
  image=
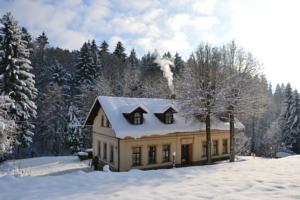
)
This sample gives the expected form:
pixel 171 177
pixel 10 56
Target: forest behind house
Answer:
pixel 46 92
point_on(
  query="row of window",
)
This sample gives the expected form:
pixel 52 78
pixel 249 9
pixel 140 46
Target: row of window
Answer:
pixel 215 147
pixel 103 150
pixel 167 118
pixel 152 151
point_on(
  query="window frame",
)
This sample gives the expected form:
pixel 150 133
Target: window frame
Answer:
pixel 225 150
pixel 136 162
pixel 102 121
pixel 215 148
pixel 164 158
pixel 137 119
pixel 169 117
pixel 152 154
pixel 111 153
pixel 105 151
pixel 99 149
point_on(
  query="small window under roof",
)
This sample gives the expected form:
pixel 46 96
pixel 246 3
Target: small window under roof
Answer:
pixel 135 116
pixel 167 116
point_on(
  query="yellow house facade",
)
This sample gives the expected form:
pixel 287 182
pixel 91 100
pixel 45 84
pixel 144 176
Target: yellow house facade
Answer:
pixel 156 137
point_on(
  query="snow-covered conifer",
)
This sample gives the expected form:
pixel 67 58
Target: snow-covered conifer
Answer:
pixel 19 82
pixel 85 71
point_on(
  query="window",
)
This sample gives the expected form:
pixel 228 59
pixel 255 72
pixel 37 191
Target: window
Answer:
pixel 136 156
pixel 137 118
pixel 166 153
pixel 169 118
pixel 225 146
pixel 215 147
pixel 107 122
pixel 152 154
pixel 99 149
pixel 204 149
pixel 111 157
pixel 104 151
pixel 102 121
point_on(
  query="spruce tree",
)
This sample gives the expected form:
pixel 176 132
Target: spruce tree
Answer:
pixel 74 137
pixel 292 121
pixel 287 117
pixel 178 63
pixel 120 51
pixel 85 71
pixel 19 82
pixel 94 54
pixel 132 59
pixel 103 54
pixel 42 41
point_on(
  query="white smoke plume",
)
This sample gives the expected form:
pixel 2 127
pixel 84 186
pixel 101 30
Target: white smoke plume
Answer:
pixel 165 66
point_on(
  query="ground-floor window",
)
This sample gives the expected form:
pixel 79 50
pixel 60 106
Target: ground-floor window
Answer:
pixel 204 149
pixel 166 153
pixel 99 149
pixel 152 154
pixel 111 157
pixel 225 146
pixel 136 156
pixel 104 151
pixel 215 147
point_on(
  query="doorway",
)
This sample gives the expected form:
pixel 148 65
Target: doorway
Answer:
pixel 186 154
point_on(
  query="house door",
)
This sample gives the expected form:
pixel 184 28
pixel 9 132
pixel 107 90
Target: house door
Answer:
pixel 186 153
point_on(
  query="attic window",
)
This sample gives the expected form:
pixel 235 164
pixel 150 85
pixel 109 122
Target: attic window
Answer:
pixel 166 117
pixel 137 118
pixel 169 118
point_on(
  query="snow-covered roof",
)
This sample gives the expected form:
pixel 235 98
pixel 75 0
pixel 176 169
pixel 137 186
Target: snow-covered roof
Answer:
pixel 114 107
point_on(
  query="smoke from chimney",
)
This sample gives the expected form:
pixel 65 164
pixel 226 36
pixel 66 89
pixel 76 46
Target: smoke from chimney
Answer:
pixel 165 66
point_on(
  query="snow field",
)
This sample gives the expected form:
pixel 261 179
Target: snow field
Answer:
pixel 249 178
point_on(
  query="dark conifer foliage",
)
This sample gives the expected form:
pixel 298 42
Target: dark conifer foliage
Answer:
pixel 119 51
pixel 85 70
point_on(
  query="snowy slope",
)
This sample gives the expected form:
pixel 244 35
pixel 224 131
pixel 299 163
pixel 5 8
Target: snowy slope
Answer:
pixel 43 166
pixel 247 179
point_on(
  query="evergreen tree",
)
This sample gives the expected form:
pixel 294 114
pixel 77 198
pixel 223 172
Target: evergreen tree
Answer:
pixel 42 41
pixel 103 54
pixel 94 52
pixel 85 70
pixel 291 128
pixel 132 59
pixel 19 82
pixel 178 63
pixel 58 74
pixel 7 127
pixel 74 132
pixel 26 36
pixel 120 52
pixel 53 121
pixel 287 117
pixel 103 48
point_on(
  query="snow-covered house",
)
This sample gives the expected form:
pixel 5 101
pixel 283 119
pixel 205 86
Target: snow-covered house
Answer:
pixel 147 133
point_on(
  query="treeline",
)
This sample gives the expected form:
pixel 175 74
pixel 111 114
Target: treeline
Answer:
pixel 46 92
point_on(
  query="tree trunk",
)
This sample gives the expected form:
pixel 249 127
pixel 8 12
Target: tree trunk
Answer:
pixel 232 139
pixel 208 139
pixel 253 138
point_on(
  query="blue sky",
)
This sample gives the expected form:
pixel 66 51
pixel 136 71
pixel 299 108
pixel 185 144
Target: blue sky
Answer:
pixel 268 28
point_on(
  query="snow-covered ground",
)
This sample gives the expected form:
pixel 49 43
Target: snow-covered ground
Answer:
pixel 249 178
pixel 42 166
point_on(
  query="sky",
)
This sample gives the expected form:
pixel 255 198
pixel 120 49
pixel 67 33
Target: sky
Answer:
pixel 268 28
